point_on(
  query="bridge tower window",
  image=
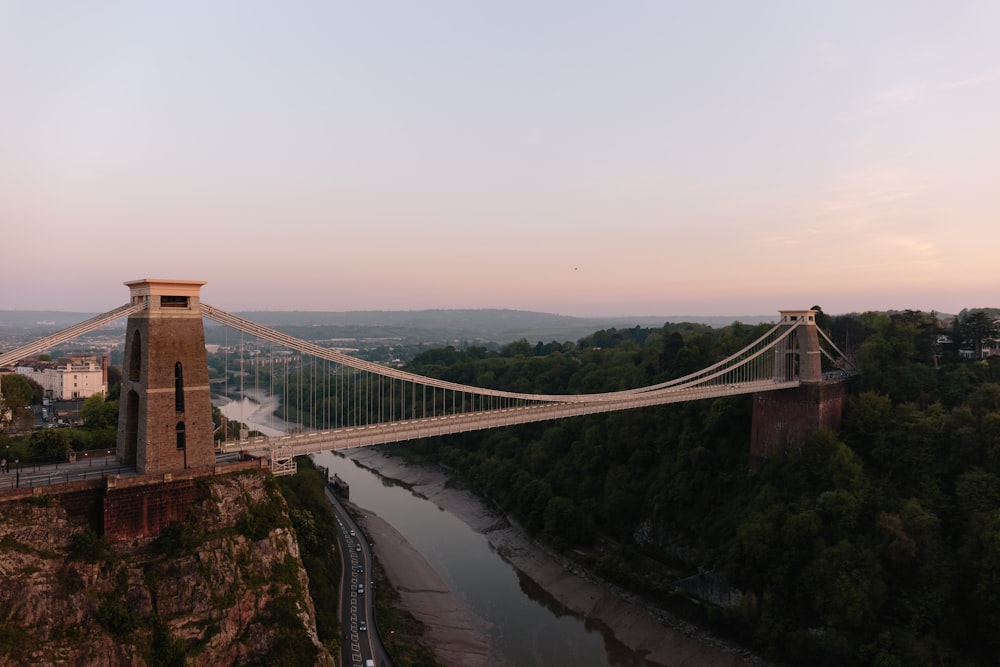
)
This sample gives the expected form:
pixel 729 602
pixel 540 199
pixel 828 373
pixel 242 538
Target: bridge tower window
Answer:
pixel 178 387
pixel 181 436
pixel 173 301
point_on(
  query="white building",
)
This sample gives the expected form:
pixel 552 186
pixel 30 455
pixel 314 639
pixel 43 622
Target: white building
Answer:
pixel 69 378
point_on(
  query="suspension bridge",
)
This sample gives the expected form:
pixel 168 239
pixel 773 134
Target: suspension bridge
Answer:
pixel 165 415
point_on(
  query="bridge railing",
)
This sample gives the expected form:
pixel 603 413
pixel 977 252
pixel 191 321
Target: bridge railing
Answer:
pixel 397 431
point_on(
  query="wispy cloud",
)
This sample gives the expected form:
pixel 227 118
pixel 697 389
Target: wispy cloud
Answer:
pixel 864 221
pixel 915 92
pixel 912 247
pixel 903 94
pixel 875 188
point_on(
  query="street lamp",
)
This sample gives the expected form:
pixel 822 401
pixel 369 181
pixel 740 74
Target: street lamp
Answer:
pixel 17 481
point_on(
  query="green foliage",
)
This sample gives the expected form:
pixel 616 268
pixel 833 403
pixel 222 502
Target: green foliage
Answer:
pixel 977 326
pixel 166 650
pixel 19 391
pixel 261 518
pixel 316 529
pixel 177 538
pixel 14 641
pixel 292 645
pixel 117 619
pixel 99 413
pixel 89 547
pixel 305 528
pixel 50 443
pixel 877 545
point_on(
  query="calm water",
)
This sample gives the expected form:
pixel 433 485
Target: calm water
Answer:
pixel 257 411
pixel 526 626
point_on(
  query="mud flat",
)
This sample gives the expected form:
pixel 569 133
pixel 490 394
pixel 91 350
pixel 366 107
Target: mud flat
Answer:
pixel 451 628
pixel 662 640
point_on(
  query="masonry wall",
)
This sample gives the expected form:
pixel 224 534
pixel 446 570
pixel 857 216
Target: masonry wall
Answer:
pixel 783 420
pixel 164 341
pixel 86 503
pixel 130 508
pixel 144 511
pixel 83 499
pixel 141 507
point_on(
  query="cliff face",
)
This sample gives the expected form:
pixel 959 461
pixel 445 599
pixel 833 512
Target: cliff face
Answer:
pixel 225 587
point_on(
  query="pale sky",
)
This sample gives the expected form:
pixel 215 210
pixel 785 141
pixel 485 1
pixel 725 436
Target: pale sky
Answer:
pixel 575 157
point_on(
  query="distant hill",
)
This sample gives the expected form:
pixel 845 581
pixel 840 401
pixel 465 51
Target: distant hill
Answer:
pixel 429 326
pixel 47 320
pixel 493 325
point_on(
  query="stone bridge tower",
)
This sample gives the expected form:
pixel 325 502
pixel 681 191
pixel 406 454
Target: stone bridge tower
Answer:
pixel 798 355
pixel 165 413
pixel 783 420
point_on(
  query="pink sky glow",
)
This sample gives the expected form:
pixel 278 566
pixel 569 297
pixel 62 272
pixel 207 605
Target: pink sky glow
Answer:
pixel 583 158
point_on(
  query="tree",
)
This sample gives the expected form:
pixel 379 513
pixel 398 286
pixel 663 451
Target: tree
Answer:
pixel 50 443
pixel 822 319
pixel 977 326
pixel 19 391
pixel 563 519
pixel 97 413
pixel 986 596
pixel 114 383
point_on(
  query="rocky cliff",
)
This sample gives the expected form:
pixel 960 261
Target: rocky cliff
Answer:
pixel 224 587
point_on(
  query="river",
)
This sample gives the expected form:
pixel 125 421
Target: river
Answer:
pixel 256 410
pixel 525 625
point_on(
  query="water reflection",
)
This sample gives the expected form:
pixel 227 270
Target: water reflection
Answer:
pixel 525 625
pixel 618 653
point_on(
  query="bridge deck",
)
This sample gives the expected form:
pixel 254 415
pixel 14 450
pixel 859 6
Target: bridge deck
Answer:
pixel 412 429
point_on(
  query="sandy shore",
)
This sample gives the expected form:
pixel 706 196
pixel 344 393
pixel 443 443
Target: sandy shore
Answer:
pixel 453 632
pixel 451 627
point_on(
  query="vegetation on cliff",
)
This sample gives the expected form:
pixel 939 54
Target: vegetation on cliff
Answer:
pixel 224 587
pixel 316 529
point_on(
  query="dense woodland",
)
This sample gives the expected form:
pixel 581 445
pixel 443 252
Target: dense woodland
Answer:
pixel 877 545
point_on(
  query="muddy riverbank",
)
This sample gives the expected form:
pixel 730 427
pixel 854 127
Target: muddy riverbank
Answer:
pixel 658 637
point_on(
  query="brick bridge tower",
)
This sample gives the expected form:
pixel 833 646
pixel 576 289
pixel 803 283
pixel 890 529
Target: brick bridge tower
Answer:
pixel 165 414
pixel 784 419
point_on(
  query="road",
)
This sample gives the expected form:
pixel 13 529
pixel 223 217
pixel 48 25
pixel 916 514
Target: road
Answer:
pixel 87 465
pixel 356 600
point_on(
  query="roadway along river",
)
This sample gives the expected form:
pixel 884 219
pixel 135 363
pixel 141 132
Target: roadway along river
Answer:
pixel 524 625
